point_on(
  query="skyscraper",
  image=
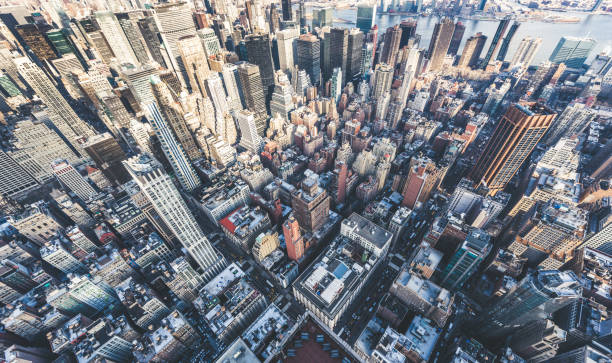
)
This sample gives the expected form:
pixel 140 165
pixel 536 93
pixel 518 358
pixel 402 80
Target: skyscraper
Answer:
pixel 383 77
pixel 196 66
pixel 499 33
pixel 260 54
pixel 15 182
pixel 115 36
pixel 538 295
pixel 287 12
pixel 108 155
pixel 453 48
pixel 572 51
pixel 34 38
pixel 72 179
pixel 174 21
pixel 408 31
pixel 573 120
pixel 526 51
pixel 440 41
pixel 174 152
pixel 148 29
pixel 515 136
pixel 366 14
pixel 174 117
pixel 338 49
pixel 61 114
pixel 309 56
pixel 286 43
pixel 252 90
pixel 354 54
pixel 249 139
pixel 293 238
pixel 157 186
pixel 391 45
pixel 501 56
pixel 128 24
pixel 466 259
pixel 230 82
pixel 471 51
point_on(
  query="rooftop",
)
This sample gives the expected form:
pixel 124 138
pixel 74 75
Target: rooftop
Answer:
pixel 425 289
pixel 237 352
pixel 243 221
pixel 223 279
pixel 367 230
pixel 267 332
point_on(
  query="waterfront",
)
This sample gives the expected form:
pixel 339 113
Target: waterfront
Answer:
pixel 592 25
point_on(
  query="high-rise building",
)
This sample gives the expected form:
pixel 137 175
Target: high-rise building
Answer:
pixel 253 92
pixel 526 51
pixel 59 39
pixel 501 56
pixel 336 84
pixel 61 114
pixel 282 101
pixel 172 149
pixel 230 77
pixel 249 138
pixel 466 260
pixel 471 51
pixel 115 36
pixel 57 256
pixel 286 43
pixel 322 17
pixel 210 41
pixel 408 31
pixel 157 186
pixel 572 121
pixel 293 238
pixel 139 82
pixel 338 48
pixel 72 179
pixel 354 54
pixel 174 21
pixel 440 41
pixel 453 47
pixel 105 151
pixel 391 45
pixel 287 11
pixel 260 54
pixel 366 14
pixel 34 38
pixel 93 33
pixel 538 341
pixel 310 204
pixel 309 57
pixel 173 116
pixel 216 92
pixel 383 77
pixel 535 297
pixel 148 29
pixel 572 51
pixel 495 42
pixel 128 23
pixel 515 136
pixel 196 66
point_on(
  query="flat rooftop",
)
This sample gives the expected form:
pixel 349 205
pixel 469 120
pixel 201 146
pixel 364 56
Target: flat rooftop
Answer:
pixel 367 230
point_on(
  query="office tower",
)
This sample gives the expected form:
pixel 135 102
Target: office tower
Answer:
pixel 408 31
pixel 105 151
pixel 440 41
pixel 537 341
pixel 72 179
pixel 526 51
pixel 93 33
pixel 495 42
pixel 592 352
pixel 354 54
pixel 15 182
pixel 260 54
pixel 420 182
pixel 115 36
pixel 503 50
pixel 535 297
pixel 482 4
pixel 148 29
pixel 249 139
pixel 366 14
pixel 173 116
pixel 391 45
pixel 56 255
pixel 383 77
pixel 287 11
pixel 210 42
pixel 338 48
pixel 293 238
pixel 471 51
pixel 216 92
pixel 34 39
pixel 61 114
pixel 466 259
pixel 196 66
pixel 230 82
pixel 157 186
pixel 310 204
pixel 309 57
pixel 282 101
pixel 572 121
pixel 139 81
pixel 322 17
pixel 174 21
pixel 602 240
pixel 336 85
pixel 253 93
pixel 572 51
pixel 82 295
pixel 515 136
pixel 128 24
pixel 43 145
pixel 59 41
pixel 455 42
pixel 285 40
